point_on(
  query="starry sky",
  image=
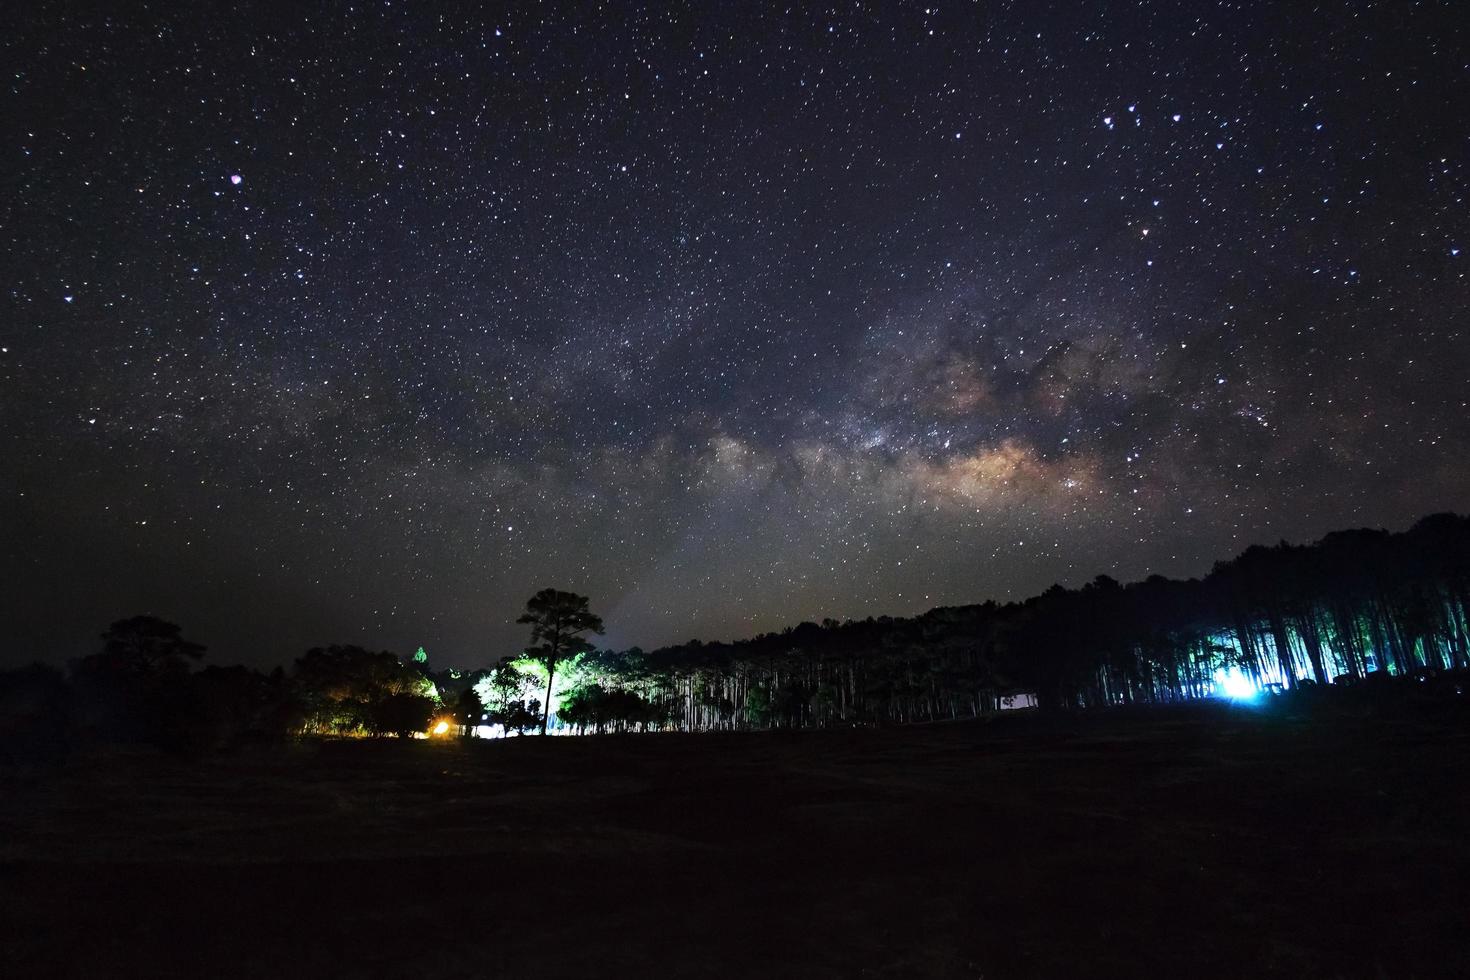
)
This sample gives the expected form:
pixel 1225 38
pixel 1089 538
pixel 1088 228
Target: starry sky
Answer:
pixel 360 324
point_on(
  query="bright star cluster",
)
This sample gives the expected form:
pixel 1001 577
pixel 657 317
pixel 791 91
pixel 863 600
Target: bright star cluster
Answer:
pixel 362 323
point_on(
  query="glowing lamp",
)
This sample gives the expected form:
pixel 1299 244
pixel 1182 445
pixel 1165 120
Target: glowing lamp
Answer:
pixel 441 727
pixel 1235 685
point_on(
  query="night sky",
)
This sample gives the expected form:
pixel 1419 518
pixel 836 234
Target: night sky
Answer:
pixel 363 326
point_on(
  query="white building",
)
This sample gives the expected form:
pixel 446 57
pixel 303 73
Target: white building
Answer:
pixel 1017 700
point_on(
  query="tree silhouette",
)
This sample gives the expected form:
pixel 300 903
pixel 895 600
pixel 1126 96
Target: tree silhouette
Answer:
pixel 147 644
pixel 557 620
pixel 402 714
pixel 468 710
pixel 35 715
pixel 137 686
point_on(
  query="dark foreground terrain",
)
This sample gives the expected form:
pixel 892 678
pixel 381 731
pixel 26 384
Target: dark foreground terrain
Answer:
pixel 1203 842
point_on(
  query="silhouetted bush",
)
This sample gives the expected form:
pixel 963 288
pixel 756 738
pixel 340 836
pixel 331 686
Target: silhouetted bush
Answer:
pixel 35 716
pixel 402 714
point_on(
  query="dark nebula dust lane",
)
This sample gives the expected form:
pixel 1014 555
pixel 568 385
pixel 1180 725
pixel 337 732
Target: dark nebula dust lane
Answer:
pixel 362 324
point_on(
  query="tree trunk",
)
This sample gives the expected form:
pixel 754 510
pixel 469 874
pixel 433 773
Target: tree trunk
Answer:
pixel 546 708
pixel 1312 640
pixel 1282 642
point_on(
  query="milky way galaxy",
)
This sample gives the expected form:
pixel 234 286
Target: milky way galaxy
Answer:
pixel 361 325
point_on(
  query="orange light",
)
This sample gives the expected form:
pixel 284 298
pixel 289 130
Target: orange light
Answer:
pixel 441 728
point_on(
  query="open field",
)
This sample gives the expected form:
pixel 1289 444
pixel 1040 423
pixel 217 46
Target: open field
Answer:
pixel 1209 841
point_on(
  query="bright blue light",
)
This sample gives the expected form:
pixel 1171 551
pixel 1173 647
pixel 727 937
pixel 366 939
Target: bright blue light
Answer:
pixel 1235 685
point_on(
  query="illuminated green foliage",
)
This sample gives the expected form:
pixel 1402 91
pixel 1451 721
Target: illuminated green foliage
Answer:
pixel 343 687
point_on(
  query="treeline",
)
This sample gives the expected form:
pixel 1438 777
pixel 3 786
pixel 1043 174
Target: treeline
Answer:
pixel 1356 606
pixel 141 688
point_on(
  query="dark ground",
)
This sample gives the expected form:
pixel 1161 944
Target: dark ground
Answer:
pixel 1167 843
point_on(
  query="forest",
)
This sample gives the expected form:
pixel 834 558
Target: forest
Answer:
pixel 1358 607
